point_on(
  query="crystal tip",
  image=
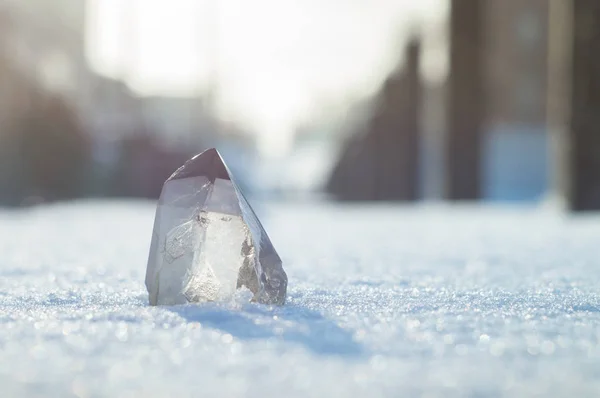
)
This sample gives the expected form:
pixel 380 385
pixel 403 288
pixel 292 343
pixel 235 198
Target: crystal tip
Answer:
pixel 209 164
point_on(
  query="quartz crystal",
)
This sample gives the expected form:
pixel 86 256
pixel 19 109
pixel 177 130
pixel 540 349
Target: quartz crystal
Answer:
pixel 207 241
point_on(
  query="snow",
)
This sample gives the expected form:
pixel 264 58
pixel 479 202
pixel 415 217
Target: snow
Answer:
pixel 386 301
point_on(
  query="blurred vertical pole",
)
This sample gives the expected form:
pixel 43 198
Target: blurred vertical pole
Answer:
pixel 560 40
pixel 584 152
pixel 407 172
pixel 466 102
pixel 414 129
pixel 580 68
pixel 6 163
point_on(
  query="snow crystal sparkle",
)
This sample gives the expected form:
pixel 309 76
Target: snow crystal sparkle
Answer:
pixel 207 241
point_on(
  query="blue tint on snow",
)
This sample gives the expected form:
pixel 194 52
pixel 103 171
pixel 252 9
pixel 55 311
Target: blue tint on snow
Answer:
pixel 289 324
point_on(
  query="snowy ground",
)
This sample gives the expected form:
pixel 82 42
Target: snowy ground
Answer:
pixel 416 301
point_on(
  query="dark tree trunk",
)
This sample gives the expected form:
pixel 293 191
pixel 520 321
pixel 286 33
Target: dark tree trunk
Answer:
pixel 466 105
pixel 583 156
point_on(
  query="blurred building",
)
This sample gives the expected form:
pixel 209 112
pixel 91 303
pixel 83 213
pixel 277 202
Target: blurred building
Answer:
pixel 515 153
pixel 574 103
pixel 135 142
pixel 516 55
pixel 514 143
pixel 381 161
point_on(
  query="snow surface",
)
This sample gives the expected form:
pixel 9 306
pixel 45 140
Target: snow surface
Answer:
pixel 383 301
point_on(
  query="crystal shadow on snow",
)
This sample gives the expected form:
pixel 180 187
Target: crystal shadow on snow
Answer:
pixel 290 323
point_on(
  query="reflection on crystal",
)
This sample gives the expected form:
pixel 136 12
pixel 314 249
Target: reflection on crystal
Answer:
pixel 207 241
pixel 178 242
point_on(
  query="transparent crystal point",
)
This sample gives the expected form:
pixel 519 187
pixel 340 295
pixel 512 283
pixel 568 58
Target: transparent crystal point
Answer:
pixel 207 241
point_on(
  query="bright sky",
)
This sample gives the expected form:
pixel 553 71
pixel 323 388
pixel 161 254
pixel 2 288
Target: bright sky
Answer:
pixel 275 58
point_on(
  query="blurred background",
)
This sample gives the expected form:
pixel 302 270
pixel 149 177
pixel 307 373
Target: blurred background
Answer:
pixel 348 100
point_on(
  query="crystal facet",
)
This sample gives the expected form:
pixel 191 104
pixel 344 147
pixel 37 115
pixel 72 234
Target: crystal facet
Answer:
pixel 207 241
